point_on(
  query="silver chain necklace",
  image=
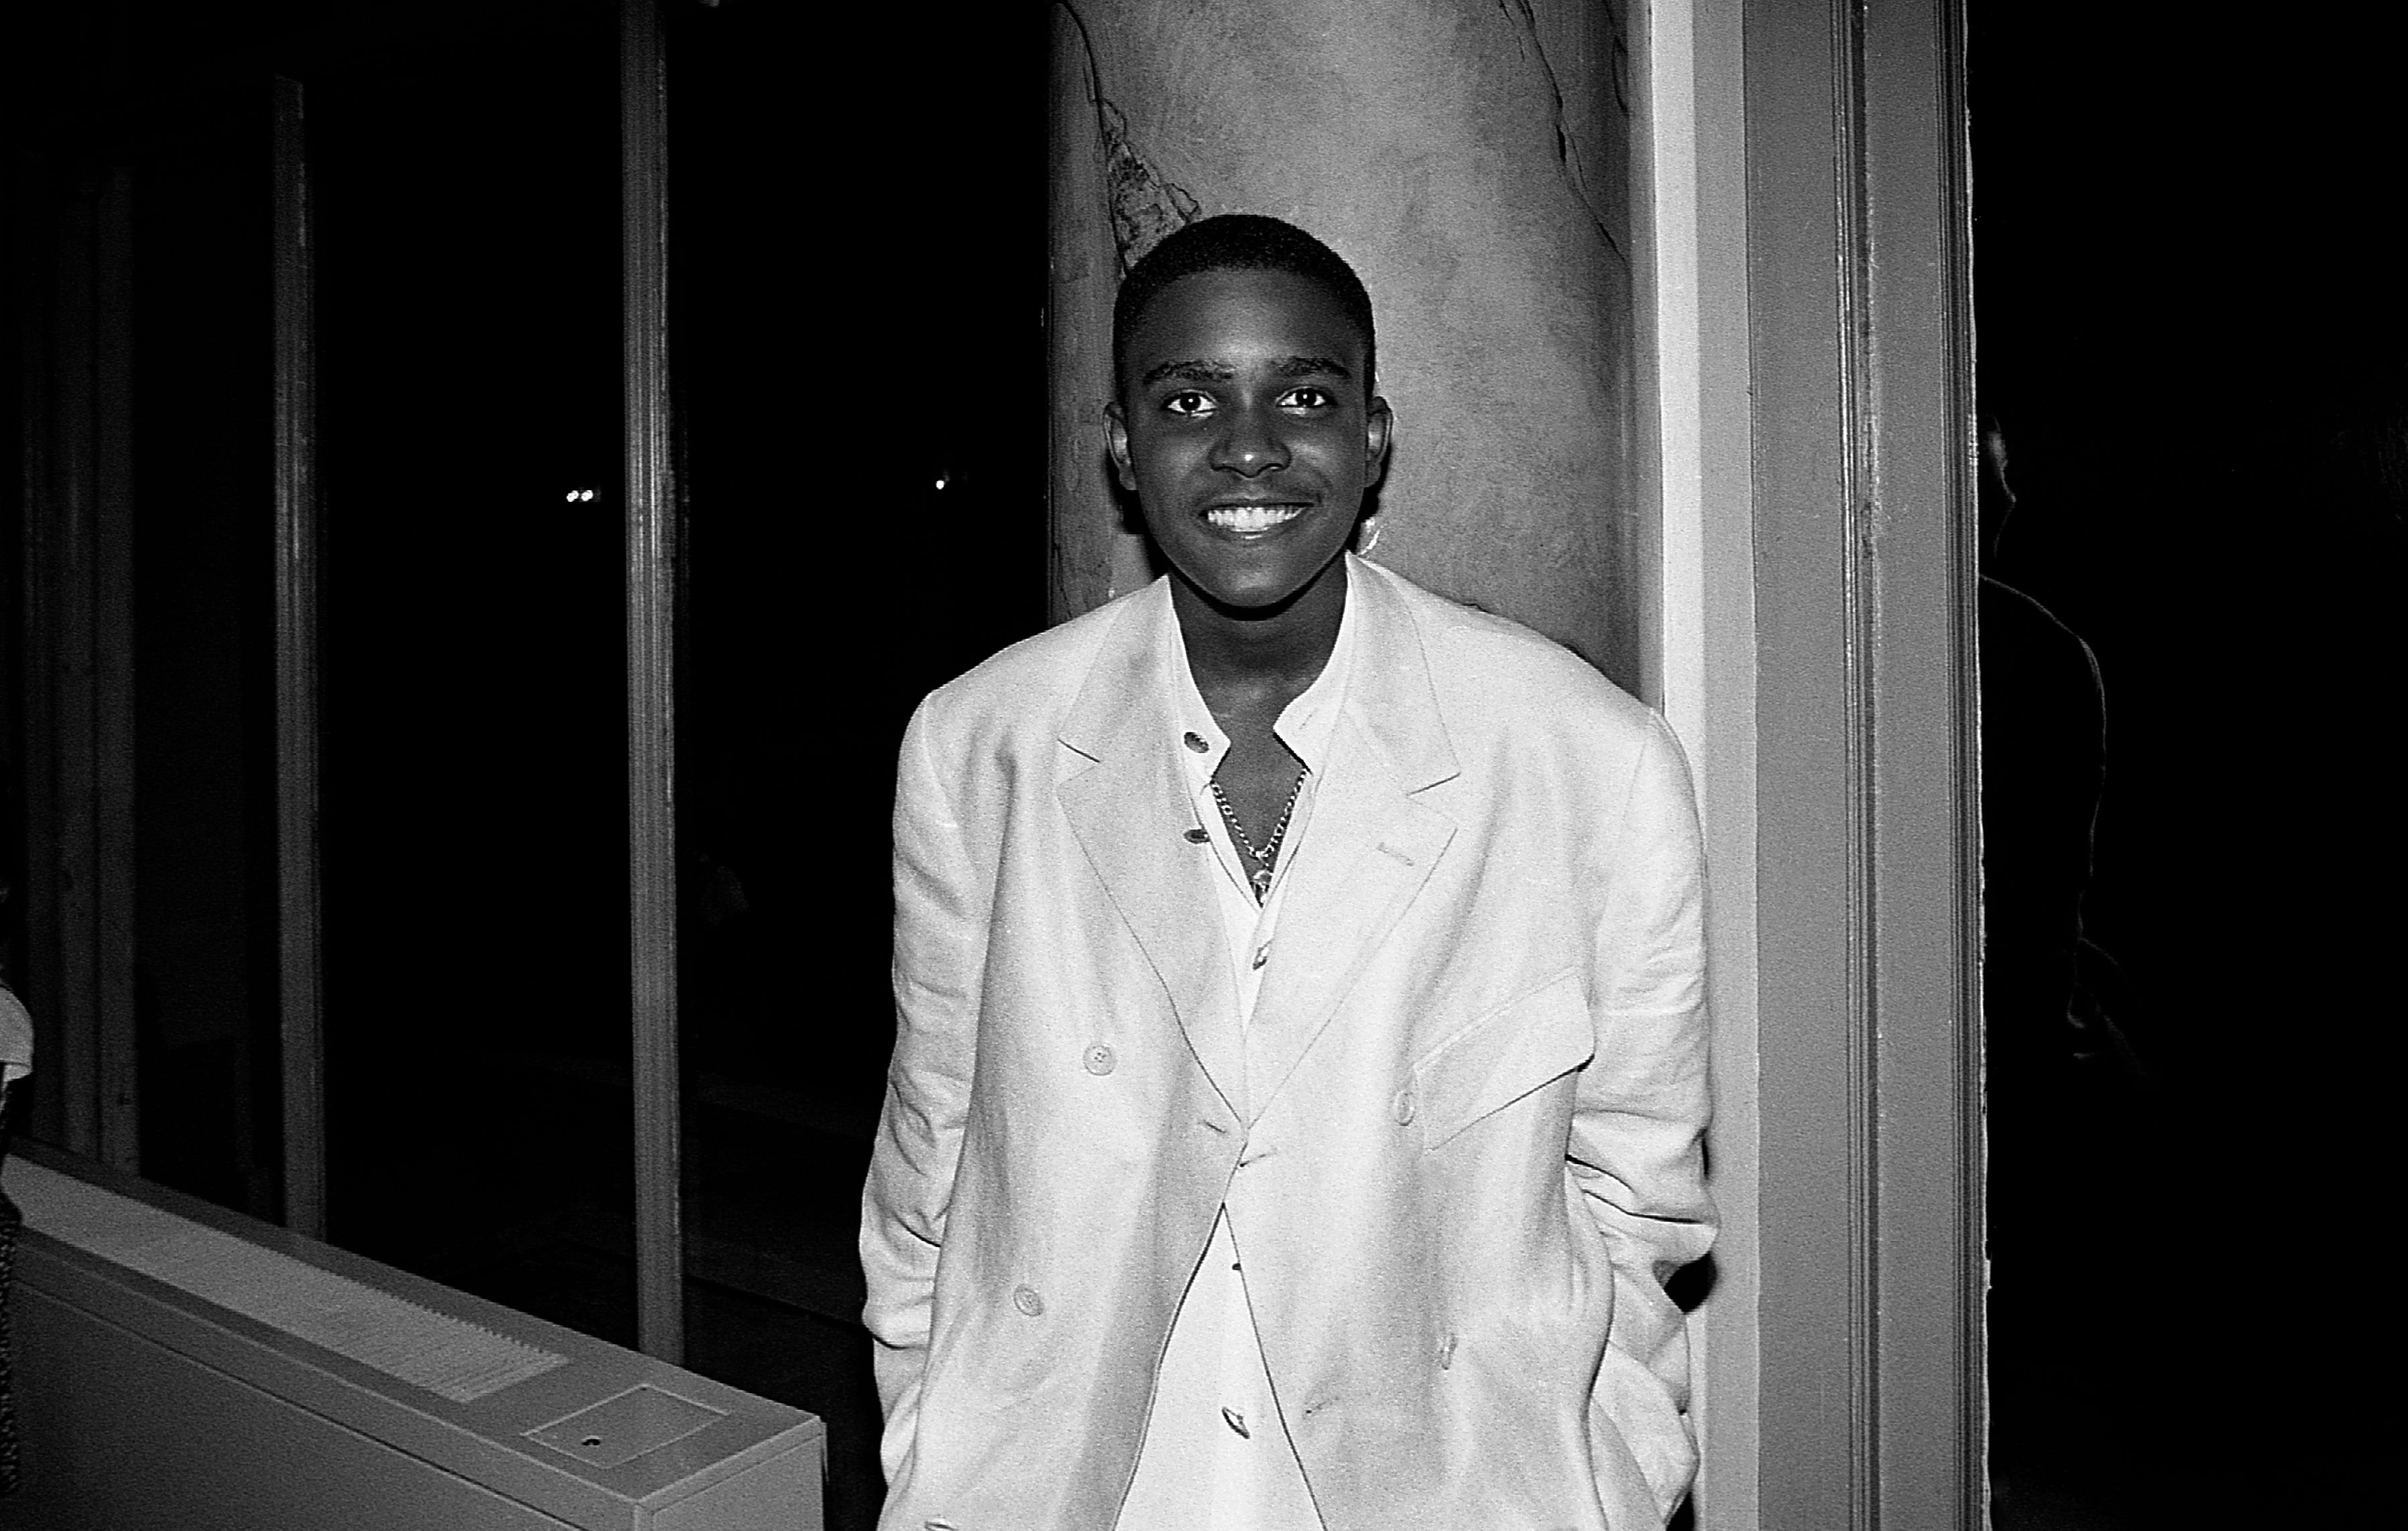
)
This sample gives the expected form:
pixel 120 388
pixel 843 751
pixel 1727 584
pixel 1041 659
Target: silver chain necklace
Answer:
pixel 1261 876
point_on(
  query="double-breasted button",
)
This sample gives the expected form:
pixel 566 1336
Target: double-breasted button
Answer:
pixel 1404 1104
pixel 1028 1301
pixel 1196 742
pixel 1100 1060
pixel 1198 834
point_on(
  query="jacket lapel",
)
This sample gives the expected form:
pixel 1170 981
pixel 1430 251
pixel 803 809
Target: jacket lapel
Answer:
pixel 1128 807
pixel 1371 844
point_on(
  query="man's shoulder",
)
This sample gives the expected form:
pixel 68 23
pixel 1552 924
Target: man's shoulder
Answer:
pixel 1493 667
pixel 1033 681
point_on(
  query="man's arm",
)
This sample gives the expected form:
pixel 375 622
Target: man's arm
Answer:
pixel 1638 1125
pixel 938 939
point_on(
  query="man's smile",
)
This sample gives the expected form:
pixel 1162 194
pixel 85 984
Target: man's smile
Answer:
pixel 1250 518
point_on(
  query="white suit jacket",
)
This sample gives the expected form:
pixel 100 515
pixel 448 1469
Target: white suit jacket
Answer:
pixel 1459 1143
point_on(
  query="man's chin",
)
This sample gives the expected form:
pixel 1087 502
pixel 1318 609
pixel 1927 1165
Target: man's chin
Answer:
pixel 1259 600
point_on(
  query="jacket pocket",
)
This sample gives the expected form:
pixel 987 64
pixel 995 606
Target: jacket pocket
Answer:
pixel 1501 1057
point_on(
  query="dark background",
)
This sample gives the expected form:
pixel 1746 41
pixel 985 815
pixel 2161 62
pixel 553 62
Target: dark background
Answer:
pixel 856 216
pixel 2192 332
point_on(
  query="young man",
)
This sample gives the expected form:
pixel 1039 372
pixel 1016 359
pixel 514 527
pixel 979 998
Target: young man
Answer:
pixel 1301 1052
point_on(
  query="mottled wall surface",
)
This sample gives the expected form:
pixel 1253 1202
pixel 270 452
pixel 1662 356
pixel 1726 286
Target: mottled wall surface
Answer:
pixel 1472 159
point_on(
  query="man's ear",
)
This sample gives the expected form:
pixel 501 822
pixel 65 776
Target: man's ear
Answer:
pixel 1116 441
pixel 1380 423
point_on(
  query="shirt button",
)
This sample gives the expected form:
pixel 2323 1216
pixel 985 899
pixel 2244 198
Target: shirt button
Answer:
pixel 1028 1301
pixel 1262 953
pixel 1198 834
pixel 1100 1060
pixel 1237 1423
pixel 1405 1107
pixel 1196 742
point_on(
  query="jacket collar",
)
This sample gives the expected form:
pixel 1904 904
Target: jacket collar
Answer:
pixel 1369 849
pixel 1121 709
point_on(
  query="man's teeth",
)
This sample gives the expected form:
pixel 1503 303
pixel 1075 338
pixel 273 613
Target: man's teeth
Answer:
pixel 1252 518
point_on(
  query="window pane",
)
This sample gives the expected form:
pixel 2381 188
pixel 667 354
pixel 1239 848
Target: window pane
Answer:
pixel 138 862
pixel 855 318
pixel 204 954
pixel 467 189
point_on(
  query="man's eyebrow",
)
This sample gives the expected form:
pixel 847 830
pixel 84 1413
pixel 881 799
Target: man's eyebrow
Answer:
pixel 1306 366
pixel 1190 372
pixel 1202 371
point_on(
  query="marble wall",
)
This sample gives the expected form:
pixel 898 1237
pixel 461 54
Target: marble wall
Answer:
pixel 1472 162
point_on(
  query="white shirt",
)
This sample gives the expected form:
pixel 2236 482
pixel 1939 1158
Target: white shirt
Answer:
pixel 1216 1456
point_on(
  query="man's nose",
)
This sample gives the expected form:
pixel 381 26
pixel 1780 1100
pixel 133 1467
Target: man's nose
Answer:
pixel 1251 444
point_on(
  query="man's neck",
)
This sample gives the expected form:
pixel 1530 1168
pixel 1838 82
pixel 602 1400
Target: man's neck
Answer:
pixel 1252 659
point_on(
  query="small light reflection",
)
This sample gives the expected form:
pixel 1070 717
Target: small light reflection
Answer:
pixel 941 483
pixel 578 496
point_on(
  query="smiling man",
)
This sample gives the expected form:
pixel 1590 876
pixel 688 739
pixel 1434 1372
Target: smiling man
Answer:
pixel 1299 1070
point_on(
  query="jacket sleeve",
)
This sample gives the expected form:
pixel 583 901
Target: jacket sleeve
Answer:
pixel 1637 1149
pixel 939 934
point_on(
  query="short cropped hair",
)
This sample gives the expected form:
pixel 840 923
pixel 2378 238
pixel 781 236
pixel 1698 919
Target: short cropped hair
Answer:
pixel 1240 242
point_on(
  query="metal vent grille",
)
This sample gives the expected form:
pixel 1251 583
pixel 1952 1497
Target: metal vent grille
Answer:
pixel 445 1355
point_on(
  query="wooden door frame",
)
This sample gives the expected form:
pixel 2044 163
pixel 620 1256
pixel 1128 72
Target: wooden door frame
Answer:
pixel 1861 339
pixel 1809 295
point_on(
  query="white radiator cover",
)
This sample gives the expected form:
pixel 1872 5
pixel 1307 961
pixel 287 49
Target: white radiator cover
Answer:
pixel 183 1367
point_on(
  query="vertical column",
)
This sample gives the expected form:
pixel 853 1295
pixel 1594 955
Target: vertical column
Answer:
pixel 651 802
pixel 1867 803
pixel 62 913
pixel 80 914
pixel 1097 552
pixel 298 985
pixel 1472 163
pixel 112 667
pixel 1690 208
pixel 30 233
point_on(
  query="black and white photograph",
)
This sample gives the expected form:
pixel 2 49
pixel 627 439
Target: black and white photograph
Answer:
pixel 1200 765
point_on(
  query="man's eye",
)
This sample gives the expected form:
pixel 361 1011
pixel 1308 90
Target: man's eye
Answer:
pixel 1308 397
pixel 1187 403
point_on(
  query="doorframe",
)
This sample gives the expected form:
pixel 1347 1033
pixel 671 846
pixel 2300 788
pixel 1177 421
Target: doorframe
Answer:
pixel 1811 390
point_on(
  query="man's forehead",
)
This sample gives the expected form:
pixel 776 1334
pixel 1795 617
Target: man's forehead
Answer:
pixel 1282 300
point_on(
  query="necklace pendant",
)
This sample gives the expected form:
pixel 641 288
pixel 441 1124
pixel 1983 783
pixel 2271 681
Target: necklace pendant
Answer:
pixel 1262 884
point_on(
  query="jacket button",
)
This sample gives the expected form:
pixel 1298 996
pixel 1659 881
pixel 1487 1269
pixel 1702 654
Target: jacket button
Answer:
pixel 1198 834
pixel 1100 1060
pixel 1446 1353
pixel 1028 1301
pixel 1405 1107
pixel 1196 742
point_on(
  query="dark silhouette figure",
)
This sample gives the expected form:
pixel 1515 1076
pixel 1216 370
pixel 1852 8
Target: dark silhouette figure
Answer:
pixel 2068 1096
